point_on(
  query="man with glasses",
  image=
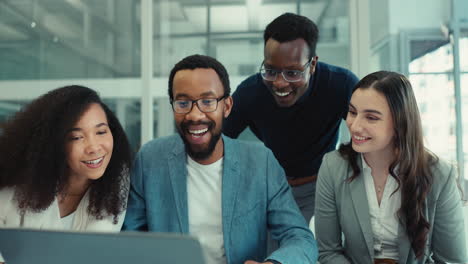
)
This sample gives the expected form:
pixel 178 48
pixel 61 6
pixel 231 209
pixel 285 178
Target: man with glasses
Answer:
pixel 225 192
pixel 294 104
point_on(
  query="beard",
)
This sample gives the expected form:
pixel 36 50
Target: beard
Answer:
pixel 195 152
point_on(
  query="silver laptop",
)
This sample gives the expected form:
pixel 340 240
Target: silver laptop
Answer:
pixel 26 246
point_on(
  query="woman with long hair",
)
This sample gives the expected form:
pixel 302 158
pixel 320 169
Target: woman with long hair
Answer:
pixel 64 164
pixel 383 197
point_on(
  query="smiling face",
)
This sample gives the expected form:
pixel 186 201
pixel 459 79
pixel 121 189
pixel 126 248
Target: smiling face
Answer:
pixel 370 122
pixel 89 145
pixel 291 55
pixel 200 131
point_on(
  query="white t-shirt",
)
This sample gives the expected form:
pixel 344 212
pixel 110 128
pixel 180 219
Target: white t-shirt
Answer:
pixel 384 219
pixel 204 208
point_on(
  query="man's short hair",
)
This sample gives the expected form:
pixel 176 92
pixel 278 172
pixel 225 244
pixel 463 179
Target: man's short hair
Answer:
pixel 289 27
pixel 200 61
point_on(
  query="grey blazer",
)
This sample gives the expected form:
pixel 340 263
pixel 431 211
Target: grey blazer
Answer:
pixel 342 211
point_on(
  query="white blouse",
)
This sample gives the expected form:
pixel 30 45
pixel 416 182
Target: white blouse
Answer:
pixel 67 221
pixel 383 218
pixel 50 219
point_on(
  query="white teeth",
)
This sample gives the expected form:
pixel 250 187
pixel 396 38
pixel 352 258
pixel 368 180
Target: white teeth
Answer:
pixel 96 161
pixel 359 138
pixel 282 94
pixel 199 131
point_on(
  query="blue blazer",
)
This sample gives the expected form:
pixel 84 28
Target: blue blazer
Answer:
pixel 255 198
pixel 342 210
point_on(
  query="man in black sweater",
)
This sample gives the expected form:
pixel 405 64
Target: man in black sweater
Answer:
pixel 294 104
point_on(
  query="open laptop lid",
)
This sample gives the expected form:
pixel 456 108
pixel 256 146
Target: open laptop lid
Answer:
pixel 26 246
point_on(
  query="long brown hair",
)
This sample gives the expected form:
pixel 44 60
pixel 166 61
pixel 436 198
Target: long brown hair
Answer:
pixel 414 161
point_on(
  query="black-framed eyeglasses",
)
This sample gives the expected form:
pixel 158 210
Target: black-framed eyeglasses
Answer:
pixel 205 105
pixel 270 75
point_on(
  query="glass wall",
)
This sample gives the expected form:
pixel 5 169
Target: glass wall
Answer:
pixel 232 32
pixel 46 44
pixel 57 39
pixel 464 99
pixel 431 74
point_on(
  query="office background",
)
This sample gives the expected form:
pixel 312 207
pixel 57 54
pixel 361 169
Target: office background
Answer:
pixel 125 49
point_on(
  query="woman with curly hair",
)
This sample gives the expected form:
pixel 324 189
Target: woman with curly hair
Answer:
pixel 391 199
pixel 64 164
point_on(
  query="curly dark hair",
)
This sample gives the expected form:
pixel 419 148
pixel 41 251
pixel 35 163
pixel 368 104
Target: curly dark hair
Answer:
pixel 289 27
pixel 200 61
pixel 33 155
pixel 414 161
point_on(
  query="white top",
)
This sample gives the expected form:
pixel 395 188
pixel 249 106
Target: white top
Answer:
pixel 204 208
pixel 50 219
pixel 67 221
pixel 383 218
